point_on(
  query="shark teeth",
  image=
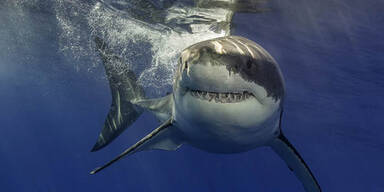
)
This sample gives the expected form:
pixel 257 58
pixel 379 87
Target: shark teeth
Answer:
pixel 221 97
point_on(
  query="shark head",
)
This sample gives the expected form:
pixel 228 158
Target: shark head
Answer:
pixel 228 80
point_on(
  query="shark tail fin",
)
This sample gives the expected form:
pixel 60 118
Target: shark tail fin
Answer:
pixel 124 89
pixel 295 163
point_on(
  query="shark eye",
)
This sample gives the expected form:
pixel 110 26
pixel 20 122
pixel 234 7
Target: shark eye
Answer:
pixel 249 64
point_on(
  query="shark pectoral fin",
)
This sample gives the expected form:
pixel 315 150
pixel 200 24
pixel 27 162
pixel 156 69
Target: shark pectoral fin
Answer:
pixel 161 107
pixel 160 138
pixel 169 140
pixel 124 89
pixel 295 163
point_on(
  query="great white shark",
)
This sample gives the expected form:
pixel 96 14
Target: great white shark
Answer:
pixel 227 97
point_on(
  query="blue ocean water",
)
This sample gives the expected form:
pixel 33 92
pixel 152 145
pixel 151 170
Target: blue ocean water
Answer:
pixel 331 55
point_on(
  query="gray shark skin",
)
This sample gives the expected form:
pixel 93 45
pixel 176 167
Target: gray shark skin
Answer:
pixel 227 97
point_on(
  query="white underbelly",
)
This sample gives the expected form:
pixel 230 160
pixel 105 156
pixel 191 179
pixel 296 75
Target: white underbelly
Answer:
pixel 226 128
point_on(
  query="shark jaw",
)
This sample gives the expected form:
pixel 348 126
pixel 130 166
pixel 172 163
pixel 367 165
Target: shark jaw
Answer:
pixel 221 97
pixel 223 121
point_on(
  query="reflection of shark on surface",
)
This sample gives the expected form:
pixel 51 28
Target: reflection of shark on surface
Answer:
pixel 227 97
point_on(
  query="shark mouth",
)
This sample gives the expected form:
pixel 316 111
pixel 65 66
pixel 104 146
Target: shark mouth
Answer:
pixel 222 97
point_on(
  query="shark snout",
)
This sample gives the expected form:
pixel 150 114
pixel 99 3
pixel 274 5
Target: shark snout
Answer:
pixel 208 78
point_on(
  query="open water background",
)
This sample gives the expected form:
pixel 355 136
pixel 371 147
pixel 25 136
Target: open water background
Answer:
pixel 52 106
